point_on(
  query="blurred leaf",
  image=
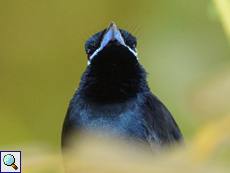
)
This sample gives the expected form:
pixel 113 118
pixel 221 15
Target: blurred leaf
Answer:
pixel 208 139
pixel 223 8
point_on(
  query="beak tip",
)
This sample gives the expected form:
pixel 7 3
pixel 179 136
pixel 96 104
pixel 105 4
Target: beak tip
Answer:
pixel 112 24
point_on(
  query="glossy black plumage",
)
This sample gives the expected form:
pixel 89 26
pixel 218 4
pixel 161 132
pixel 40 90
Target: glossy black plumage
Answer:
pixel 114 99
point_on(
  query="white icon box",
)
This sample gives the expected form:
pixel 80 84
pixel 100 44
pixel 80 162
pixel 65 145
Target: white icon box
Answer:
pixel 10 161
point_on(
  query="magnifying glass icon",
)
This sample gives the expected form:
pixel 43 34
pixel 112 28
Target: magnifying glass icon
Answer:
pixel 9 160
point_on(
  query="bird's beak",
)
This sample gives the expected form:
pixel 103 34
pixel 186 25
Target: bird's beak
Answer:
pixel 112 33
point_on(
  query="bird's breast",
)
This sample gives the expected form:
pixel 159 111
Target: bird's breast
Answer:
pixel 122 125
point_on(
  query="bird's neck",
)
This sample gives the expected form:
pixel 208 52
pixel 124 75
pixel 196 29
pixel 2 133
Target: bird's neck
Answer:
pixel 113 82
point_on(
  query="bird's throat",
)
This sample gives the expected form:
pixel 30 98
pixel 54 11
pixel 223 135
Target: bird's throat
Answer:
pixel 113 75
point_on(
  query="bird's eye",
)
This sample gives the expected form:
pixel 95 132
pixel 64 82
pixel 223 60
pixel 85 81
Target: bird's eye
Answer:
pixel 89 54
pixel 134 47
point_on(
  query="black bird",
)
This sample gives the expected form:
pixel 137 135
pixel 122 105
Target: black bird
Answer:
pixel 113 97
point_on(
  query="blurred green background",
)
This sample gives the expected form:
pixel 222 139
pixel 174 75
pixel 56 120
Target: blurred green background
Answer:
pixel 181 44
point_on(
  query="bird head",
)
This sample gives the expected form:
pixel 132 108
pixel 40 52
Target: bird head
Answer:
pixel 108 39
